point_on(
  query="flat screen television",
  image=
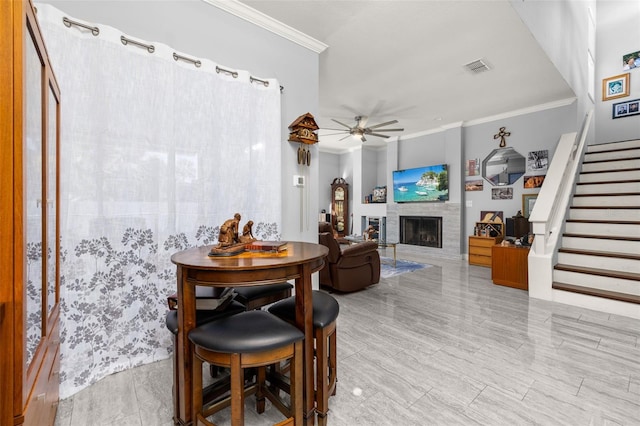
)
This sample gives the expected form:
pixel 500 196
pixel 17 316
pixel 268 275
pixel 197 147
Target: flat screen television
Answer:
pixel 421 184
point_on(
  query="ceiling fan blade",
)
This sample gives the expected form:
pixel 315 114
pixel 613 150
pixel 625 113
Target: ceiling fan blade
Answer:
pixel 380 135
pixel 338 130
pixel 388 130
pixel 349 135
pixel 383 124
pixel 342 132
pixel 342 124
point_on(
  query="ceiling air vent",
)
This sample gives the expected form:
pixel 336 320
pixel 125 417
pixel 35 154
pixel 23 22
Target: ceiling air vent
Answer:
pixel 476 67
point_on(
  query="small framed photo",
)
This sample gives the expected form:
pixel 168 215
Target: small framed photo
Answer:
pixel 473 185
pixel 528 201
pixel 533 181
pixel 626 109
pixel 631 61
pixel 615 87
pixel 501 193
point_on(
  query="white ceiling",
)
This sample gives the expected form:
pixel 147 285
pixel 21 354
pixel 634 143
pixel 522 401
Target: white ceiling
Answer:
pixel 405 60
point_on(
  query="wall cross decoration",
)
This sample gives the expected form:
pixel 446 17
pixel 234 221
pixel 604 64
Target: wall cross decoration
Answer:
pixel 502 134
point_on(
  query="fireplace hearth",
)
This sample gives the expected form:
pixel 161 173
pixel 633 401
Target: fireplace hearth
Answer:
pixel 423 231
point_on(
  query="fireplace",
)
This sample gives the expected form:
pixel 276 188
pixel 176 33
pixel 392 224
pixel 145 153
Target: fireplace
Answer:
pixel 421 231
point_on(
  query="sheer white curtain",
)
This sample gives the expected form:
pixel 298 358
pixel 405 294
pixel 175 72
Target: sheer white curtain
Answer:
pixel 155 155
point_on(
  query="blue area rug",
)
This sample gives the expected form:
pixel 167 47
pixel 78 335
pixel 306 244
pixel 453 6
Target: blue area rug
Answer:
pixel 402 267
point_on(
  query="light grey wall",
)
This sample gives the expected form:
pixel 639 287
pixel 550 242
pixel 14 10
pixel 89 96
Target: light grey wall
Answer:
pixel 618 33
pixel 198 29
pixel 381 166
pixel 329 170
pixel 561 29
pixel 425 150
pixel 374 170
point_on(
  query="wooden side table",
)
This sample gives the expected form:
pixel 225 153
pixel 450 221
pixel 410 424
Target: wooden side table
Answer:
pixel 510 266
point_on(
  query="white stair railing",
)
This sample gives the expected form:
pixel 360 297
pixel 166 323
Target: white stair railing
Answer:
pixel 551 209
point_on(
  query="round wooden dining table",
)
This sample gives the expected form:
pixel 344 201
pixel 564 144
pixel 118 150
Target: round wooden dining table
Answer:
pixel 196 268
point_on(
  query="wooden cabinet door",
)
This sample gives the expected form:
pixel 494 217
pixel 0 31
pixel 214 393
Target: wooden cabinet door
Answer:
pixel 29 201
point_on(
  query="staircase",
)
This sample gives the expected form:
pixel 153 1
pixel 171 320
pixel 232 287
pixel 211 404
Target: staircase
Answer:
pixel 600 249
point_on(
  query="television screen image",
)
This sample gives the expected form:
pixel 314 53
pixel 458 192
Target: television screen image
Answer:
pixel 421 184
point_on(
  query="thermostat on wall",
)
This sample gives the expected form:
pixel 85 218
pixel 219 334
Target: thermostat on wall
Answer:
pixel 298 180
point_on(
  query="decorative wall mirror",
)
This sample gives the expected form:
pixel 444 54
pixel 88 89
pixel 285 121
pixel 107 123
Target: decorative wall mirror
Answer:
pixel 503 166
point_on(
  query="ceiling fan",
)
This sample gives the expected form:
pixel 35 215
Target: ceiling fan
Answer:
pixel 360 129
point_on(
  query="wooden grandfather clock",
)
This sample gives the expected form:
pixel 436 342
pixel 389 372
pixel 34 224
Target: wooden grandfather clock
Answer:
pixel 340 206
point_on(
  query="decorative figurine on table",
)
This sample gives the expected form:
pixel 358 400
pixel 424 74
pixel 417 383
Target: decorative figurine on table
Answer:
pixel 229 242
pixel 247 233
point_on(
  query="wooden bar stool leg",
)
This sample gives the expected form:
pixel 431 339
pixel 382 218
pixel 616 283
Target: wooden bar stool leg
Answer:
pixel 197 389
pixel 237 391
pixel 322 372
pixel 333 361
pixel 260 398
pixel 297 385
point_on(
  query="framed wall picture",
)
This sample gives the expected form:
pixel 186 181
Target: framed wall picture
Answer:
pixel 473 185
pixel 631 61
pixel 626 109
pixel 615 87
pixel 537 162
pixel 501 193
pixel 528 201
pixel 533 181
pixel 472 167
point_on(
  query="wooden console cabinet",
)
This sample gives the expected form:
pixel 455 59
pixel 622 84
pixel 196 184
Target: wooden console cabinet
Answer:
pixel 29 222
pixel 480 249
pixel 509 266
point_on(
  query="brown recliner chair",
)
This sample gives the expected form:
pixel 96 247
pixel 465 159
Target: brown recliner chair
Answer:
pixel 348 268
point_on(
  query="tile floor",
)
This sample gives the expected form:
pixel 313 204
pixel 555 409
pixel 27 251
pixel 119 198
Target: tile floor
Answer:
pixel 438 346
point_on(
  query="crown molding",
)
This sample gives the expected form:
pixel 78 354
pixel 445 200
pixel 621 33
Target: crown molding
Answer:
pixel 489 119
pixel 523 111
pixel 258 18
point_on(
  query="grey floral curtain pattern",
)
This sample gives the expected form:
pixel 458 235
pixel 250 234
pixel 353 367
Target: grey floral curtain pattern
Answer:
pixel 155 155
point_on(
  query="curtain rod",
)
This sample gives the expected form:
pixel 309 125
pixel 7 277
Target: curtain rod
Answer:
pixel 68 23
pixel 195 62
pixel 234 74
pixel 151 48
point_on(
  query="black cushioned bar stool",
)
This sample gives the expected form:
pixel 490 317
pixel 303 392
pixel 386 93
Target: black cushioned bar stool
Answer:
pixel 202 317
pixel 257 296
pixel 325 314
pixel 247 340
